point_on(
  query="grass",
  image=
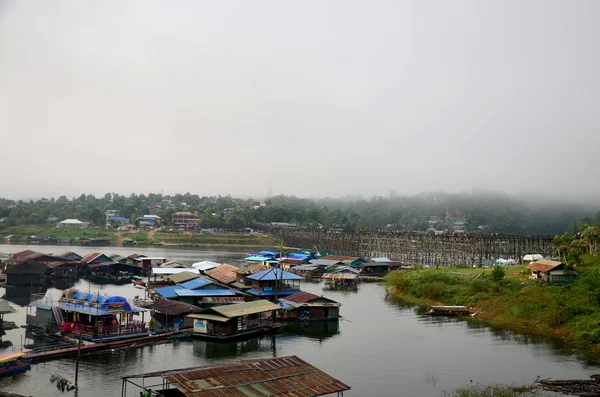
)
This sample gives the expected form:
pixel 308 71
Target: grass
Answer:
pixel 568 313
pixel 145 237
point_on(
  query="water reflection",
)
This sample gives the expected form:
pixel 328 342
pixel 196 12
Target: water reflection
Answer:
pixel 216 350
pixel 319 330
pixel 22 295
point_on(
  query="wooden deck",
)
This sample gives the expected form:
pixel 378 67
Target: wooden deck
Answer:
pixel 96 348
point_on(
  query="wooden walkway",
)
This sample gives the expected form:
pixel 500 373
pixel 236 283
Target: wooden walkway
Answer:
pixel 96 348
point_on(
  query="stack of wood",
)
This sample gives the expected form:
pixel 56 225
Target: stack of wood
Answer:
pixel 577 387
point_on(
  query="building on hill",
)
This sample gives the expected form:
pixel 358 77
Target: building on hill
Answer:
pixel 184 220
pixel 73 224
pixel 458 227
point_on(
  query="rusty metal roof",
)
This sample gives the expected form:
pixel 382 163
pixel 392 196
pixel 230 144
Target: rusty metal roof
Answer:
pixel 301 297
pixel 251 269
pixel 543 265
pixel 273 377
pixel 224 273
pixel 245 308
pixel 171 307
pixel 221 299
pixel 340 276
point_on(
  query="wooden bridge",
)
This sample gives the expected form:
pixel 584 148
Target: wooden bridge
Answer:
pixel 418 248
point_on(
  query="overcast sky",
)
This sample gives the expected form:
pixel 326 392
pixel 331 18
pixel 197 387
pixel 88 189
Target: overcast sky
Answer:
pixel 318 97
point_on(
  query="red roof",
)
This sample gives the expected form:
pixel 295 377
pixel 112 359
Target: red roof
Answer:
pixel 250 269
pixel 90 257
pixel 302 297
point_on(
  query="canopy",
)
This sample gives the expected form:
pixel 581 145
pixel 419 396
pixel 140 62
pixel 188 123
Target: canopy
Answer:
pixel 532 257
pixel 205 265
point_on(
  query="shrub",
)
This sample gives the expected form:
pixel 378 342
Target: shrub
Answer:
pixel 498 274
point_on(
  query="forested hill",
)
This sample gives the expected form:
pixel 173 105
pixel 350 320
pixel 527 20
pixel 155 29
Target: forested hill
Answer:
pixel 481 212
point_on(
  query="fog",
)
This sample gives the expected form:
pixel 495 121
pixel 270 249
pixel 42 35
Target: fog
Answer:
pixel 317 98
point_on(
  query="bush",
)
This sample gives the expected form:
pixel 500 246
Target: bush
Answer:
pixel 498 274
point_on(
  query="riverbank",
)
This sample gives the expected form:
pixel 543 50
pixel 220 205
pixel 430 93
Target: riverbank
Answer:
pixel 569 314
pixel 147 237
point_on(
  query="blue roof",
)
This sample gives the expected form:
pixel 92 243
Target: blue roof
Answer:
pixel 168 292
pixel 458 223
pixel 273 274
pixel 119 218
pixel 196 283
pixel 204 292
pixel 257 258
pixel 285 292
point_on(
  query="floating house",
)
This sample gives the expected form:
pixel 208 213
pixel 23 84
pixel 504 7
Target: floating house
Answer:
pixel 173 264
pixel 242 281
pixel 169 312
pixel 71 255
pixel 274 282
pixel 29 272
pixel 309 271
pixel 344 278
pixel 237 320
pixel 552 272
pixel 346 260
pixel 94 242
pixel 11 239
pixel 99 318
pixel 379 268
pixel 305 306
pixel 204 266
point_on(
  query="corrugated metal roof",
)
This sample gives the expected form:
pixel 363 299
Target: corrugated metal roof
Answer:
pixel 221 300
pixel 163 271
pixel 302 297
pixel 196 283
pixel 243 309
pixel 204 292
pixel 173 308
pixel 6 308
pixel 251 269
pixel 182 277
pixel 340 276
pixel 257 258
pixel 168 292
pixel 209 316
pixel 543 265
pixel 284 292
pixel 273 274
pixel 324 262
pixel 224 273
pixel 273 377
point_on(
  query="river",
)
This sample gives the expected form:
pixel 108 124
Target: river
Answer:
pixel 379 349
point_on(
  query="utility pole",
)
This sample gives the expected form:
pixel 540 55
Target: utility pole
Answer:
pixel 78 356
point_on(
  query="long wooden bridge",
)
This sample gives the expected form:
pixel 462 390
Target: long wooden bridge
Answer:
pixel 418 248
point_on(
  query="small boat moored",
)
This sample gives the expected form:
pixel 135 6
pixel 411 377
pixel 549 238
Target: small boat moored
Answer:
pixel 450 311
pixel 14 363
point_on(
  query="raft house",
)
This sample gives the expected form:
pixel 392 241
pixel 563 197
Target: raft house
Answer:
pixel 282 376
pixel 94 317
pixel 274 281
pixel 305 306
pixel 237 320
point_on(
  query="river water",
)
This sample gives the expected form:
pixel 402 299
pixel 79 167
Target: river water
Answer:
pixel 379 348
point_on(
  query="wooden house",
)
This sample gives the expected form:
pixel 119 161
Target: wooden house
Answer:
pixel 64 270
pixel 274 282
pixel 29 272
pixel 242 281
pixel 552 272
pixel 11 239
pixel 346 260
pixel 237 320
pixel 305 306
pixel 94 242
pixel 33 240
pixel 378 269
pixel 71 255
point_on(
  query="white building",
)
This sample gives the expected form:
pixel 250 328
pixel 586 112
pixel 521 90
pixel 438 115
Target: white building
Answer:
pixel 72 223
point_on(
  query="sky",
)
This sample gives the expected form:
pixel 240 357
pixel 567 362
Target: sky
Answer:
pixel 311 98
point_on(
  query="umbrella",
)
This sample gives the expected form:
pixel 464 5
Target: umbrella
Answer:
pixel 511 260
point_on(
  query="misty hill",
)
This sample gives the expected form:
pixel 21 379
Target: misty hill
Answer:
pixel 476 212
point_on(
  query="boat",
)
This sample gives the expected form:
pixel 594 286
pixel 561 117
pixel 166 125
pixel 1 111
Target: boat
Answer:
pixel 14 363
pixel 449 311
pixel 139 283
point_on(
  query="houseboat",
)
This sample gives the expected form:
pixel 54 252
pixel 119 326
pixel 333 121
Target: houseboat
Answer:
pixel 274 282
pixel 237 320
pixel 14 363
pixel 343 279
pixel 94 317
pixel 305 306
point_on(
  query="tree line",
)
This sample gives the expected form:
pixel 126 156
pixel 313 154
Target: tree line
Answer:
pixel 482 212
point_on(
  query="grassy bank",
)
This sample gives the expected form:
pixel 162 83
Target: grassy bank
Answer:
pixel 569 313
pixel 146 237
